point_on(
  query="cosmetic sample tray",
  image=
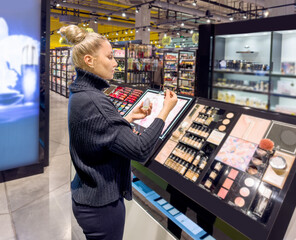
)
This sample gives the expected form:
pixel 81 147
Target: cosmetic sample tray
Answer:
pixel 219 157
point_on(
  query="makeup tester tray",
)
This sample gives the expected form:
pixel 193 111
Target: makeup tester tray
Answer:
pixel 220 158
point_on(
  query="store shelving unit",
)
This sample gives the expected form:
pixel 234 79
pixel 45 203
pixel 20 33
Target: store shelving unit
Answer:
pixel 170 68
pixel 253 66
pixel 61 70
pixel 186 72
pixel 120 53
pixel 139 64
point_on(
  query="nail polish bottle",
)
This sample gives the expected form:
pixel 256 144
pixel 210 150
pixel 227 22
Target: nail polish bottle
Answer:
pixel 196 160
pixel 185 166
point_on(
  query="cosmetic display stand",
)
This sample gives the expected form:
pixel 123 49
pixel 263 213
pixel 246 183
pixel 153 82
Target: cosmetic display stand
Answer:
pixel 252 63
pixel 120 53
pixel 236 162
pixel 62 73
pixel 170 69
pixel 186 71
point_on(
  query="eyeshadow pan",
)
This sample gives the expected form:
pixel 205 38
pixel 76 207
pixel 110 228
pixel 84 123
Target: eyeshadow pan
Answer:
pixel 227 183
pixel 249 182
pixel 239 201
pixel 256 161
pixel 233 173
pixel 222 128
pixel 252 170
pixel 244 192
pixel 222 193
pixel 229 115
pixel 226 121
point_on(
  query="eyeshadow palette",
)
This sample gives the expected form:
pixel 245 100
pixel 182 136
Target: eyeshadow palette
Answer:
pixel 124 97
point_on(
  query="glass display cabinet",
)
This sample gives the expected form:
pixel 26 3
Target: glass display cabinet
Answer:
pixel 252 63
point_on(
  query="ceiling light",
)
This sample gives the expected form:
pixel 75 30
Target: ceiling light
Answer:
pixel 109 18
pixel 58 5
pixel 151 42
pixel 182 24
pixel 123 14
pixel 125 32
pixel 131 31
pixel 178 33
pixel 245 17
pixel 137 10
pixel 116 33
pixel 148 29
pixel 107 35
pixel 194 3
pixel 208 20
pixel 191 31
pixel 165 34
pixel 95 21
pixel 137 30
pixel 231 19
pixel 266 13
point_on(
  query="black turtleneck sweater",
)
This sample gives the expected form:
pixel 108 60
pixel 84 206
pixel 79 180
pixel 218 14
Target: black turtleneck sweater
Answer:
pixel 102 143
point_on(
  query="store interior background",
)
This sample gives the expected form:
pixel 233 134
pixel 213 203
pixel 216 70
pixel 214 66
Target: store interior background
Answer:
pixel 39 206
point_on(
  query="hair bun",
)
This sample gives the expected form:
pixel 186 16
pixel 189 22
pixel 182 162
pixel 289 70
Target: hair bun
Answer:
pixel 73 34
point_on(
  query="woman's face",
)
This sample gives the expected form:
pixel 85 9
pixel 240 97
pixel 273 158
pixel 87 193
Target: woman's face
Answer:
pixel 104 62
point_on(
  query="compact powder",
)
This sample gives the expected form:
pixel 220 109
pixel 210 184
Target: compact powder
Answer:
pixel 252 170
pixel 227 183
pixel 229 115
pixel 257 161
pixel 233 173
pixel 239 202
pixel 244 192
pixel 226 121
pixel 288 137
pixel 222 193
pixel 222 128
pixel 249 182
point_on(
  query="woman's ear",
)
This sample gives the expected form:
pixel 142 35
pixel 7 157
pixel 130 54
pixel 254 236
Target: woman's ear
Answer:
pixel 89 60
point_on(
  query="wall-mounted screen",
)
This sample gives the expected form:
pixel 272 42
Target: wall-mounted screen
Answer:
pixel 19 82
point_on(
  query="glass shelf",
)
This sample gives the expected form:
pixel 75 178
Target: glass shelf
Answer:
pixel 258 73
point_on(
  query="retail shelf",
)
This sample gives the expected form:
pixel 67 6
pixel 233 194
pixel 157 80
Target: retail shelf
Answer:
pixel 283 95
pixel 187 79
pixel 259 73
pixel 184 69
pixel 242 90
pixel 283 75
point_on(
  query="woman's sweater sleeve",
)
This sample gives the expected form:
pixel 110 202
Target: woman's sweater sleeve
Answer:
pixel 137 147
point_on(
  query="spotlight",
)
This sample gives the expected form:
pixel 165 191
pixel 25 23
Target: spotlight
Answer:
pixel 182 24
pixel 116 33
pixel 95 21
pixel 137 30
pixel 58 5
pixel 125 32
pixel 109 18
pixel 107 35
pixel 266 13
pixel 123 14
pixel 150 6
pixel 208 21
pixel 165 34
pixel 131 31
pixel 231 19
pixel 191 31
pixel 148 29
pixel 194 3
pixel 137 10
pixel 178 33
pixel 245 17
pixel 151 42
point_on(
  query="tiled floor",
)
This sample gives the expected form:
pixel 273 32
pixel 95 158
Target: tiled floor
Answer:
pixel 39 207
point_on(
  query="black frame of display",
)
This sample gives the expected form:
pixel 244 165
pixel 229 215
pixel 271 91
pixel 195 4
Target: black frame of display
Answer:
pixel 207 34
pixel 37 168
pixel 283 209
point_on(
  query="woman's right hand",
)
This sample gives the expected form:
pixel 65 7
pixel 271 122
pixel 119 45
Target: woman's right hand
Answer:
pixel 170 100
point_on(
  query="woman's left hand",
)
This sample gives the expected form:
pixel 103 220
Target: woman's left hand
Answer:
pixel 138 113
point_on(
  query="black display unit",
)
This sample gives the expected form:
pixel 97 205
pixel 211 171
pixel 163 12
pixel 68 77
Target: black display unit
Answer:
pixel 28 110
pixel 250 63
pixel 217 158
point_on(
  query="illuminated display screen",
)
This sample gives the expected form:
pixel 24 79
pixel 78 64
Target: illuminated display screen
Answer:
pixel 19 82
pixel 157 98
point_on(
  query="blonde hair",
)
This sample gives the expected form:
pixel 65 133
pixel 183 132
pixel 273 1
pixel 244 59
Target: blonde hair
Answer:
pixel 83 43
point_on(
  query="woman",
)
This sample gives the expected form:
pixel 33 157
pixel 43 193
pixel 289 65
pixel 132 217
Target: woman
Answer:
pixel 101 141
